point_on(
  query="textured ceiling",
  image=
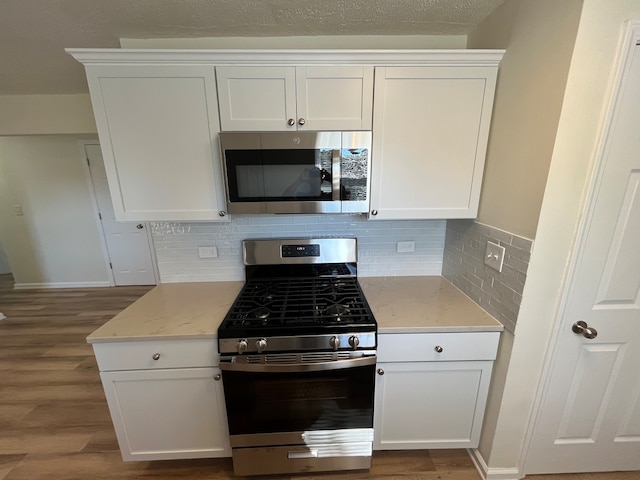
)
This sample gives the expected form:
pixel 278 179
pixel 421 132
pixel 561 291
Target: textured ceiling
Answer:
pixel 34 33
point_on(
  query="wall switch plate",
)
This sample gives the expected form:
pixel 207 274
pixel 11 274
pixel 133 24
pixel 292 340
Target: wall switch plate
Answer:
pixel 207 252
pixel 406 247
pixel 494 256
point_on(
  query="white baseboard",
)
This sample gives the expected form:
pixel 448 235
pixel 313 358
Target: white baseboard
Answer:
pixel 25 286
pixel 493 473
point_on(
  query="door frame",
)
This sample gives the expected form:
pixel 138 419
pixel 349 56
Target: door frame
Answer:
pixel 96 215
pixel 628 42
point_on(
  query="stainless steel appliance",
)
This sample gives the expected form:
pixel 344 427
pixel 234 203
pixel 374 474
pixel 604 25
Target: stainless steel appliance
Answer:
pixel 298 355
pixel 297 172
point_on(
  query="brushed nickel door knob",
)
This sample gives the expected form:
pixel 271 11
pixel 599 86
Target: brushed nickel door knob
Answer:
pixel 139 226
pixel 156 356
pixel 581 328
pixel 380 371
pixel 291 122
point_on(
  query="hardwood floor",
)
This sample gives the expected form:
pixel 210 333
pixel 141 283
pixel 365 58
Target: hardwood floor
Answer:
pixel 54 421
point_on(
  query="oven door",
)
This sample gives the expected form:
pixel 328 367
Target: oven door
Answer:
pixel 289 404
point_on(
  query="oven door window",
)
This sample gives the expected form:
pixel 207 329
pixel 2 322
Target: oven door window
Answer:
pixel 279 175
pixel 298 402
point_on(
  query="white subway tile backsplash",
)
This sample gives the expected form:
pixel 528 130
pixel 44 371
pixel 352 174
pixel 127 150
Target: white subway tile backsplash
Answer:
pixel 176 244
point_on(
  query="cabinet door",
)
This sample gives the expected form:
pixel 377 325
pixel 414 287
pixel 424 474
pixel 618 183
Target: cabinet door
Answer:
pixel 424 405
pixel 158 129
pixel 430 136
pixel 295 98
pixel 257 98
pixel 334 97
pixel 168 414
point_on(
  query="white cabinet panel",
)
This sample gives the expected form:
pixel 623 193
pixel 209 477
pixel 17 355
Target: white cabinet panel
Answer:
pixel 431 126
pixel 423 398
pixel 256 98
pixel 424 405
pixel 168 414
pixel 335 98
pixel 264 98
pixel 158 128
pixel 437 347
pixel 158 354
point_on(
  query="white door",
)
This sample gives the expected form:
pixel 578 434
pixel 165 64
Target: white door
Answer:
pixel 127 243
pixel 589 419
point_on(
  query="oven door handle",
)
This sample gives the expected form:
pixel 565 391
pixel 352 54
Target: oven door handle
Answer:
pixel 298 367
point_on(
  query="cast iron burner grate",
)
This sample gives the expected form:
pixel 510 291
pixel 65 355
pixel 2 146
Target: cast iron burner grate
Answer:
pixel 298 305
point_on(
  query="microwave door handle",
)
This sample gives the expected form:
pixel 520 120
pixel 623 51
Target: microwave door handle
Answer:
pixel 336 163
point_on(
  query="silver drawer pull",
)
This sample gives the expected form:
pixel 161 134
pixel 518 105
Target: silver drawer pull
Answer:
pixel 156 356
pixel 438 349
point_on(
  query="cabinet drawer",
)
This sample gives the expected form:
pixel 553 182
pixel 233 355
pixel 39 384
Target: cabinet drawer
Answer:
pixel 156 354
pixel 423 347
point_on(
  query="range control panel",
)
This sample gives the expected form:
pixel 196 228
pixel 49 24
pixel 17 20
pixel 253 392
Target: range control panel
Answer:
pixel 311 250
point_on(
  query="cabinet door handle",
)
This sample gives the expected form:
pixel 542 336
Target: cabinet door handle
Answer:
pixel 374 212
pixel 139 226
pixel 438 349
pixel 301 121
pixel 217 377
pixel 291 122
pixel 222 213
pixel 156 356
pixel 380 371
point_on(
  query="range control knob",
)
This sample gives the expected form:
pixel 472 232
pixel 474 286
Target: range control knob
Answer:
pixel 242 346
pixel 261 345
pixel 334 342
pixel 354 342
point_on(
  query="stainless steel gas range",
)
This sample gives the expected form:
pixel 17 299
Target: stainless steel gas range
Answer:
pixel 298 355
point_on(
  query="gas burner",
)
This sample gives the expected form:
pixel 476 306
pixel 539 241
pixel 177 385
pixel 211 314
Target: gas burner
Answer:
pixel 337 311
pixel 261 313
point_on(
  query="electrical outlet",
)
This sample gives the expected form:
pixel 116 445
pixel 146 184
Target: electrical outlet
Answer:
pixel 207 252
pixel 494 256
pixel 406 247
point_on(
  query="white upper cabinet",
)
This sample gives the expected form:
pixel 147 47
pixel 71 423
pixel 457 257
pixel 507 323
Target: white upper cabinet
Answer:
pixel 158 129
pixel 158 120
pixel 280 98
pixel 430 130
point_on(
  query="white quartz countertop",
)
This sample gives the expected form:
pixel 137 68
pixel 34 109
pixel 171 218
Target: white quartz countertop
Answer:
pixel 172 311
pixel 424 304
pixel 195 310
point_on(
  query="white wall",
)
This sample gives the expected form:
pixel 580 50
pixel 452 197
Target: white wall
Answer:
pixel 56 242
pixel 538 38
pixel 315 41
pixel 46 115
pixel 587 96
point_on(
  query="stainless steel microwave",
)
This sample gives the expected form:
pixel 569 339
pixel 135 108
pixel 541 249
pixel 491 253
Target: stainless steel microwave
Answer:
pixel 296 172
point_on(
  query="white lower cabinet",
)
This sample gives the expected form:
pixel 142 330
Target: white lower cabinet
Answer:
pixel 164 404
pixel 434 396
